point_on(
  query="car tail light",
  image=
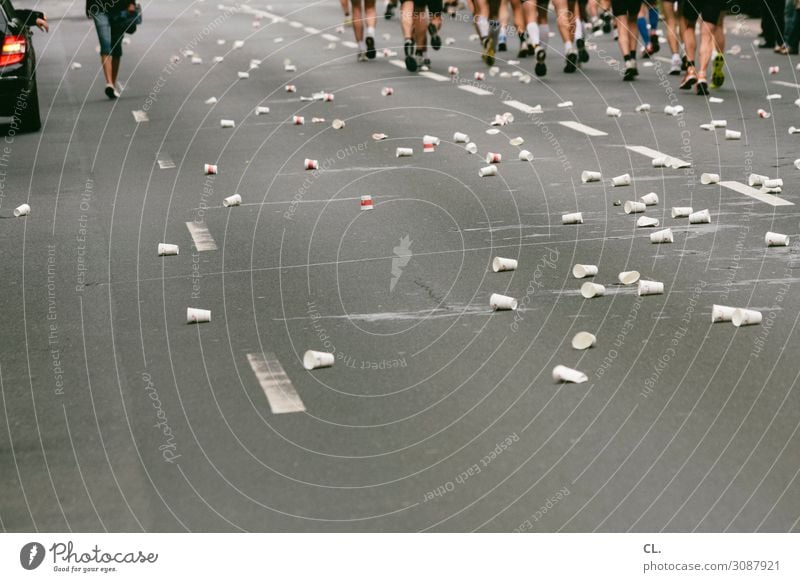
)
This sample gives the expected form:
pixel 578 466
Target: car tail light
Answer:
pixel 13 50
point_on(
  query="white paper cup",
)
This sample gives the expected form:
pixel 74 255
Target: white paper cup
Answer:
pixel 502 302
pixel 167 250
pixel 262 110
pixel 700 217
pixel 650 287
pixel 589 290
pixel 310 164
pixel 660 162
pixel 793 129
pixel 773 183
pixel 623 180
pixel 719 122
pixel 709 179
pixel 746 317
pixel 298 120
pixel 493 158
pixel 487 171
pixel 721 313
pixel 22 210
pixel 628 277
pixel 650 199
pixel 756 179
pixel 707 127
pixel 583 340
pixel 572 218
pixel 459 137
pixel 227 123
pixel 774 239
pixel 525 156
pixel 479 76
pixel 681 211
pixel 430 140
pixel 580 271
pixel 588 176
pixel 197 315
pixel 501 264
pixel 471 148
pixel 243 75
pixel 313 360
pixel 662 236
pixel 564 374
pixel 516 141
pixel 234 200
pixel 337 124
pixel 210 101
pixel 647 222
pixel 731 134
pixel 209 169
pixel 633 207
pixel 613 112
pixel 643 108
pixel 564 104
pixel 404 152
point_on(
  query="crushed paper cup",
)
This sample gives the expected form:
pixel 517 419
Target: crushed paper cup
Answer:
pixel 797 163
pixel 290 68
pixel 237 44
pixel 707 127
pixel 527 79
pixel 309 164
pixel 564 104
pixel 404 152
pixel 709 179
pixel 613 112
pixel 628 277
pixel 681 211
pixel 366 202
pixel 262 110
pixel 643 108
pixel 313 360
pixel 488 171
pixel 746 317
pixel 525 156
pixel 564 374
pixel 623 180
pixel 379 136
pixel 673 110
pixel 719 122
pixel 218 59
pixel 459 137
pixel 731 134
pixel 583 340
pixel 234 200
pixel 298 120
pixel 210 101
pixel 197 315
pixel 774 70
pixel 499 120
pixel 721 313
pixel 502 302
pixel 646 222
pixel 493 71
pixel 317 120
pixel 209 169
pixel 227 123
pixel 580 271
pixel 573 218
pixel 75 66
pixel 650 288
pixel 650 199
pixel 449 40
pixel 243 75
pixel 472 148
pixel 662 236
pixel 660 162
pixel 431 140
pixel 501 264
pixel 774 239
pixel 634 207
pixel 588 176
pixel 715 99
pixel 197 60
pixel 756 179
pixel 793 130
pixel 290 89
pixel 452 70
pixel 773 183
pixel 700 217
pixel 493 158
pixel 516 141
pixel 764 114
pixel 492 131
pixel 774 96
pixel 22 210
pixel 775 190
pixel 479 76
pixel 386 91
pixel 337 124
pixel 167 250
pixel 589 290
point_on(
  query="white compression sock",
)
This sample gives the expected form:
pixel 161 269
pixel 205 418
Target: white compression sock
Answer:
pixel 370 31
pixel 533 33
pixel 578 29
pixel 544 34
pixel 483 26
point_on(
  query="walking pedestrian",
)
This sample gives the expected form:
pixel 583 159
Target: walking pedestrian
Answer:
pixel 111 24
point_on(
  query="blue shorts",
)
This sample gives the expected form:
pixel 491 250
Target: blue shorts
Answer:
pixel 109 33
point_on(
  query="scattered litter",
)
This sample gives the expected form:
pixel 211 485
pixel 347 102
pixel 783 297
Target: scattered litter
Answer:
pixel 459 137
pixel 633 207
pixel 404 152
pixel 488 171
pixel 227 123
pixel 234 200
pixel 581 271
pixel 732 135
pixel 525 156
pixel 298 120
pixel 209 169
pixel 22 210
pixel 501 264
pixel 650 288
pixel 588 176
pixel 311 164
pixel 290 89
pixel 197 315
pixel 673 110
pixel 313 360
pixel 746 317
pixel 643 108
pixel 662 236
pixel 493 158
pixel 628 277
pixel 564 104
pixel 623 180
pixel 707 126
pixel 763 114
pixel 431 140
pixel 650 199
pixel 492 131
pixel 517 141
pixel 590 290
pixel 366 202
pixel 706 178
pixel 140 116
pixel 502 302
pixel 167 250
pixel 76 66
pixel 479 76
pixel 715 100
pixel 337 124
pixel 452 70
pixel 243 75
pixel 719 122
pixel 700 217
pixel 386 91
pixel 564 374
pixel 774 70
pixel 793 130
pixel 262 110
pixel 774 239
pixel 197 60
pixel 774 96
pixel 493 71
pixel 317 120
pixel 379 136
pixel 646 222
pixel 449 41
pixel 218 59
pixel 721 313
pixel 583 340
pixel 573 218
pixel 472 148
pixel 613 112
pixel 681 211
pixel 773 183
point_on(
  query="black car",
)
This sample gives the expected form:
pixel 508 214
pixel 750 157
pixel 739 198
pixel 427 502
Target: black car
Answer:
pixel 19 97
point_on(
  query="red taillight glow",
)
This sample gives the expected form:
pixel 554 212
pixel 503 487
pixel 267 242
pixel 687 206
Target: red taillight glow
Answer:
pixel 13 50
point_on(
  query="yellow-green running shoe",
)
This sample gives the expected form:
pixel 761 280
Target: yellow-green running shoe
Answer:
pixel 718 71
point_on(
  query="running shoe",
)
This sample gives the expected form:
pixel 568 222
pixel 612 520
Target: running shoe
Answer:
pixel 689 79
pixel 684 63
pixel 426 64
pixel 411 62
pixel 524 50
pixel 702 86
pixel 540 68
pixel 630 71
pixel 371 48
pixel 389 11
pixel 654 41
pixel 502 45
pixel 583 54
pixel 717 71
pixel 571 64
pixel 606 22
pixel 597 23
pixel 111 92
pixel 675 67
pixel 436 40
pixel 488 51
pixel 362 57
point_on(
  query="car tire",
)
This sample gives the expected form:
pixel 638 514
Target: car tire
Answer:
pixel 31 120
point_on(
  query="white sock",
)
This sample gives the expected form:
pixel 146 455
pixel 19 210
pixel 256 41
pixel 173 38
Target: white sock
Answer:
pixel 578 29
pixel 544 34
pixel 371 31
pixel 567 47
pixel 362 46
pixel 483 26
pixel 533 33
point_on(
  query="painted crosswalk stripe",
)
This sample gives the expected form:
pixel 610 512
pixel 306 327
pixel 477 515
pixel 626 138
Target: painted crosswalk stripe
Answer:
pixel 311 30
pixel 590 131
pixel 434 76
pixel 203 241
pixel 653 154
pixel 277 386
pixel 475 90
pixel 524 107
pixel 331 37
pixel 787 84
pixel 296 24
pixel 754 193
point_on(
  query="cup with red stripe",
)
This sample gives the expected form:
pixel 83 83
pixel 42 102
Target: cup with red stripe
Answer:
pixel 774 70
pixel 327 97
pixel 764 114
pixel 366 202
pixel 317 120
pixel 291 89
pixel 479 76
pixel 311 164
pixel 298 120
pixel 428 148
pixel 493 158
pixel 210 169
pixel 452 70
pixel 386 91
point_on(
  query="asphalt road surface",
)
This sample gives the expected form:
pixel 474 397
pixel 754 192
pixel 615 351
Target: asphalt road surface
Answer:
pixel 440 414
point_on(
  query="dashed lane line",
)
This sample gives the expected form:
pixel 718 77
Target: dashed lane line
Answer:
pixel 754 193
pixel 590 131
pixel 275 383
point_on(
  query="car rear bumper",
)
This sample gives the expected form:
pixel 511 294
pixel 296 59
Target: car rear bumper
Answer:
pixel 13 83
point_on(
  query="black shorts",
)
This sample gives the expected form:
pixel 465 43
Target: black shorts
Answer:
pixel 629 7
pixel 434 6
pixel 708 10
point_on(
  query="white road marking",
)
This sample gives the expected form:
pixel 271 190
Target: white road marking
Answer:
pixel 330 37
pixel 397 63
pixel 434 76
pixel 787 84
pixel 475 90
pixel 295 24
pixel 165 162
pixel 203 241
pixel 140 116
pixel 522 106
pixel 653 154
pixel 754 193
pixel 349 44
pixel 590 131
pixel 277 386
pixel 311 30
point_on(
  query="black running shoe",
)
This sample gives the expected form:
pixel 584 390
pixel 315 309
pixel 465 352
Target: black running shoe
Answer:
pixel 389 11
pixel 436 40
pixel 502 46
pixel 630 74
pixel 702 87
pixel 111 92
pixel 684 63
pixel 654 41
pixel 572 63
pixel 523 51
pixel 541 68
pixel 371 48
pixel 583 54
pixel 411 62
pixel 606 22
